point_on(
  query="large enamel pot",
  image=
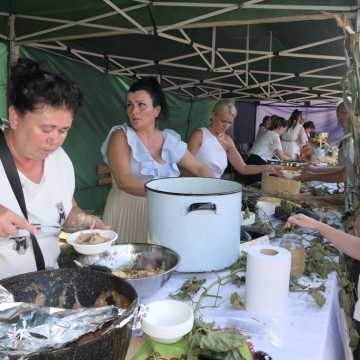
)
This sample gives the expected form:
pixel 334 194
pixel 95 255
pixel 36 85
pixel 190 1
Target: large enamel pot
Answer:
pixel 68 288
pixel 199 218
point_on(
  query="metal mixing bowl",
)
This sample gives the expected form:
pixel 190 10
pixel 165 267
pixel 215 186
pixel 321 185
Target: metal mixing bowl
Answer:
pixel 128 255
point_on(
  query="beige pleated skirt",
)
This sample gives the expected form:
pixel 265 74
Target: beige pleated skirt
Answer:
pixel 127 215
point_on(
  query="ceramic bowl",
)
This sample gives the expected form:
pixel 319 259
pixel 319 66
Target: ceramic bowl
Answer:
pixel 167 321
pixel 89 249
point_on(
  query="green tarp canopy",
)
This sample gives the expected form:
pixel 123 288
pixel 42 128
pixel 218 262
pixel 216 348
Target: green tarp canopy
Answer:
pixel 254 49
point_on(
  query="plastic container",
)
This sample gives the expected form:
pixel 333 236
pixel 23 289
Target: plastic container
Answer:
pixel 294 244
pixel 167 321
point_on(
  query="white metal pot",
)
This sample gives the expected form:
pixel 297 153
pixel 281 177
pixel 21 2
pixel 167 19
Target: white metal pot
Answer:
pixel 199 218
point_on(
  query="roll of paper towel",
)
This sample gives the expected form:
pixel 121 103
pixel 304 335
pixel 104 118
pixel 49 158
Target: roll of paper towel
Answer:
pixel 267 280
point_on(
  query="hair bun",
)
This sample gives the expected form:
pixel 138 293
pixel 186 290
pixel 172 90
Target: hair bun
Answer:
pixel 24 68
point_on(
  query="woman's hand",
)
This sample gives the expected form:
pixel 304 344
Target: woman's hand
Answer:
pixel 303 220
pixel 194 166
pixel 78 218
pixel 10 223
pixel 86 221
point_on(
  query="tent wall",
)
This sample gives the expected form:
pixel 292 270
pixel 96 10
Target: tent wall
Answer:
pixel 104 107
pixel 324 117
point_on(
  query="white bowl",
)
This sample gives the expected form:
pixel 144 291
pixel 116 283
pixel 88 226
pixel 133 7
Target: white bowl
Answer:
pixel 249 220
pixel 266 207
pixel 92 249
pixel 167 321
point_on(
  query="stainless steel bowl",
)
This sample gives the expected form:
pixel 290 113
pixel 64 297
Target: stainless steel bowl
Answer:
pixel 127 255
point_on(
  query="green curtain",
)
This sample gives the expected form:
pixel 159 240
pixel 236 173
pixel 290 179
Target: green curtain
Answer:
pixel 104 107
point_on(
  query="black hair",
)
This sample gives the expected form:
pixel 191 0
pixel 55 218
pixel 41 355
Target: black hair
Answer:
pixel 309 125
pixel 153 88
pixel 277 122
pixel 31 87
pixel 293 120
pixel 265 119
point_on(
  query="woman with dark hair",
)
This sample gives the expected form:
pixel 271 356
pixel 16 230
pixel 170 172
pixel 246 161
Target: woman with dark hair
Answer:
pixel 41 112
pixel 264 126
pixel 294 137
pixel 309 128
pixel 266 146
pixel 137 152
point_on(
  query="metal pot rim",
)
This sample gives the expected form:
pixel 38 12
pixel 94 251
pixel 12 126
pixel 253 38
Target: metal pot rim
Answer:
pixel 147 188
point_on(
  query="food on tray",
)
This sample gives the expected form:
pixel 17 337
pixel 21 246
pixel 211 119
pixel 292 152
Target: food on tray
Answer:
pixel 91 239
pixel 290 174
pixel 131 273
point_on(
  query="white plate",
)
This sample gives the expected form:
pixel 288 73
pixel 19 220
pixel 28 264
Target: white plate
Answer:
pixel 87 249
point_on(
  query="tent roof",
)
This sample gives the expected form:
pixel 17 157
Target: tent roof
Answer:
pixel 255 49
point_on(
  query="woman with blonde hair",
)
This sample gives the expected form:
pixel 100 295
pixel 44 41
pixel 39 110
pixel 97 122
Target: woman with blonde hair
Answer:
pixel 213 147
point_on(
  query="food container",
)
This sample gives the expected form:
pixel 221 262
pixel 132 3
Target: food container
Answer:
pixel 92 249
pixel 198 218
pixel 167 321
pixel 139 256
pixel 272 184
pixel 69 288
pixel 294 244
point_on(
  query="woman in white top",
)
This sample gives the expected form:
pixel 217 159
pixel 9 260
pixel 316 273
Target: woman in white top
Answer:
pixel 266 146
pixel 264 126
pixel 138 152
pixel 214 148
pixel 294 137
pixel 41 112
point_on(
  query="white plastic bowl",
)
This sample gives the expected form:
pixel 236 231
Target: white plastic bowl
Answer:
pixel 167 321
pixel 87 249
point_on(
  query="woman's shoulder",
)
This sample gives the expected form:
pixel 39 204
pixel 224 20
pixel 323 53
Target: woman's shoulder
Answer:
pixel 197 134
pixel 174 146
pixel 171 135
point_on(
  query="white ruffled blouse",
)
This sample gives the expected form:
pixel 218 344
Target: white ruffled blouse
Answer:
pixel 143 166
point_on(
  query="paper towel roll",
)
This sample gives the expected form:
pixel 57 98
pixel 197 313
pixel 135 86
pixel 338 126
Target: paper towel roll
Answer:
pixel 267 280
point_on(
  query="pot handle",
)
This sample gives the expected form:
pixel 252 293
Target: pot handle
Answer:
pixel 201 206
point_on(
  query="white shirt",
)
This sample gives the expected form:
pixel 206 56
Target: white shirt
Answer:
pixel 47 203
pixel 212 153
pixel 142 164
pixel 291 141
pixel 265 145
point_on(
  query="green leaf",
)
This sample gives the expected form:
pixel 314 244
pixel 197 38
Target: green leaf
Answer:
pixel 318 297
pixel 221 341
pixel 236 301
pixel 234 355
pixel 188 289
